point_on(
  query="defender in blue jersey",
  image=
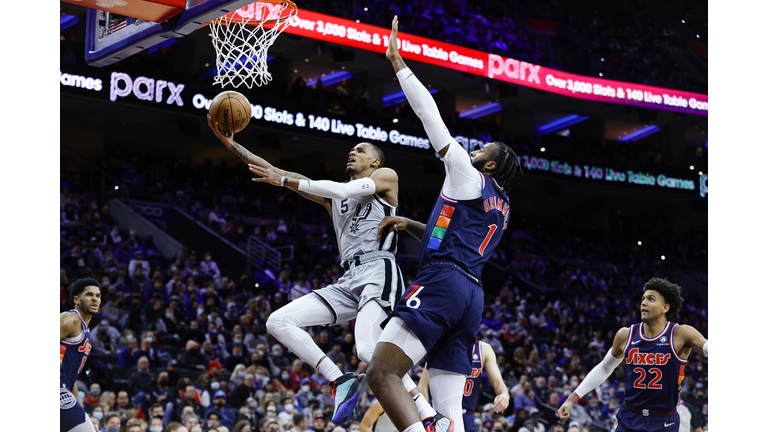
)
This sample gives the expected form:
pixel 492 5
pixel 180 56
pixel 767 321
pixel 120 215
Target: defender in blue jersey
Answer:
pixel 655 351
pixel 74 347
pixel 483 359
pixel 439 314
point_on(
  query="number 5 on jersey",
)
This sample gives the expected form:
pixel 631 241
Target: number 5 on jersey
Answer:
pixel 411 300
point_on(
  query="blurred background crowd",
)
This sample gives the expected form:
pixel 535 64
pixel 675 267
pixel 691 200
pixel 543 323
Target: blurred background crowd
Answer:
pixel 181 341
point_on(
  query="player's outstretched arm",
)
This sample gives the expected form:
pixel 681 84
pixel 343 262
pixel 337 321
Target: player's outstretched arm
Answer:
pixel 501 401
pixel 418 97
pixel 416 229
pixel 241 152
pixel 598 374
pixel 692 339
pixel 371 415
pixel 381 181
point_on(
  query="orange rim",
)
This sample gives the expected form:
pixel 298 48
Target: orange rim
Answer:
pixel 289 3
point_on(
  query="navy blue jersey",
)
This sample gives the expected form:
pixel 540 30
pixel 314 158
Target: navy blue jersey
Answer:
pixel 73 354
pixel 466 232
pixel 473 383
pixel 654 371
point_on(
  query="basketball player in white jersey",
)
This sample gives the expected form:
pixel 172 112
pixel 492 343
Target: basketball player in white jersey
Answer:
pixel 372 283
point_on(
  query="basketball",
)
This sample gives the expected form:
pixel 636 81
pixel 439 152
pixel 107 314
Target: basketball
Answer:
pixel 231 110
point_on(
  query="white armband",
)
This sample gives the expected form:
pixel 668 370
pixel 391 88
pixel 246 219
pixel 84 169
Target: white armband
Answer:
pixel 598 374
pixel 705 348
pixel 335 190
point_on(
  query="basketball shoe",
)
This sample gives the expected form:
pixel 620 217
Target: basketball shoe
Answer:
pixel 438 423
pixel 346 390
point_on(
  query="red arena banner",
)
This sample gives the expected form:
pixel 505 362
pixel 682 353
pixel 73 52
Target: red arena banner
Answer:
pixel 358 35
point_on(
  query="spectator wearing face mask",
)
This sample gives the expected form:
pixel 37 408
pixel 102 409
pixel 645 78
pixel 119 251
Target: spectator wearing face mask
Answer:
pixel 525 399
pixel 155 424
pixel 193 358
pixel 94 394
pixel 236 357
pixel 277 361
pixel 261 377
pixel 304 394
pixel 285 417
pixel 97 413
pixel 610 409
pixel 227 415
pixel 595 409
pixel 108 338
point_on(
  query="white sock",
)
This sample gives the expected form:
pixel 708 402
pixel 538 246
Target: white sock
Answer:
pixel 408 383
pixel 425 409
pixel 330 371
pixel 416 427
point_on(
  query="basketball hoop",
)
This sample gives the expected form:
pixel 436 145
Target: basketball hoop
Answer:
pixel 241 40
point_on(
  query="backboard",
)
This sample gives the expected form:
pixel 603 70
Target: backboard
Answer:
pixel 111 37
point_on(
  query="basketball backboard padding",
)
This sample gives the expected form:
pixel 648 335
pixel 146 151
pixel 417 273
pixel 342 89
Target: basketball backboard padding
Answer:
pixel 149 10
pixel 146 35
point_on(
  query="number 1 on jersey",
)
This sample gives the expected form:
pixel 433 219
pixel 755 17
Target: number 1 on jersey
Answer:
pixel 491 230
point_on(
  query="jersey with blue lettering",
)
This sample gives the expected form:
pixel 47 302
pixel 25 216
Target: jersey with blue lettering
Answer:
pixel 654 370
pixel 466 232
pixel 73 354
pixel 473 383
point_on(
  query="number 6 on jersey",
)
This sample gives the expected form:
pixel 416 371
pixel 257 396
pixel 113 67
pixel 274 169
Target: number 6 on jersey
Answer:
pixel 412 301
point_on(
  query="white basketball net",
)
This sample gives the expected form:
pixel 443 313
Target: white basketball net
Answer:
pixel 241 48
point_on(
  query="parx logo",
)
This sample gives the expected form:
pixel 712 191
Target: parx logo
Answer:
pixel 122 85
pixel 511 68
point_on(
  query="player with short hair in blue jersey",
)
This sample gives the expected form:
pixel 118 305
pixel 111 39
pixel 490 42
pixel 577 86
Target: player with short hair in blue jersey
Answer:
pixel 656 352
pixel 440 312
pixel 74 347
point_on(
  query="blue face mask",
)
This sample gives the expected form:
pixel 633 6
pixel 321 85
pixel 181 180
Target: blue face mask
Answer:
pixel 286 377
pixel 699 385
pixel 215 386
pixel 98 414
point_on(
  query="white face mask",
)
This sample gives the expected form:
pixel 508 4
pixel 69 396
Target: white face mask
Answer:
pixel 305 388
pixel 156 429
pixel 288 408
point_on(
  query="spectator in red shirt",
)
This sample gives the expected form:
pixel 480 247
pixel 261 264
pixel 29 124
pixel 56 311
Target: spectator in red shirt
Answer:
pixel 297 373
pixel 94 396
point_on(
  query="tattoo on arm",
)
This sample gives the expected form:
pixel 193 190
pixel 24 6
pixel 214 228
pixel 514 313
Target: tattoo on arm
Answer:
pixel 398 64
pixel 248 157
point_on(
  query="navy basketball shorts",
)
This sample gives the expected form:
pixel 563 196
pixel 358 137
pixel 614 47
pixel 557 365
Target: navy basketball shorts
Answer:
pixel 71 413
pixel 469 422
pixel 630 421
pixel 443 307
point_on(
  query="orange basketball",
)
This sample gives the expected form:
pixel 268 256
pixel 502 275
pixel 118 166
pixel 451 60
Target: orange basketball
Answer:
pixel 231 110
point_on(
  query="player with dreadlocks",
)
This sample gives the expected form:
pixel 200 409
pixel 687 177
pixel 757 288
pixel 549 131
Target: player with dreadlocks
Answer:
pixel 440 313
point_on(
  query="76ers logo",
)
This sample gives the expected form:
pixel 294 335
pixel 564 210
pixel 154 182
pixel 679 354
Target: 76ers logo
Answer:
pixel 66 398
pixel 85 348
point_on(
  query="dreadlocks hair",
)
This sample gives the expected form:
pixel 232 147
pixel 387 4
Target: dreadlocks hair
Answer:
pixel 81 284
pixel 507 164
pixel 670 292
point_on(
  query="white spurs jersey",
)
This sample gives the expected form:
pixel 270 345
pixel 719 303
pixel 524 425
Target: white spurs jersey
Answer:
pixel 356 222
